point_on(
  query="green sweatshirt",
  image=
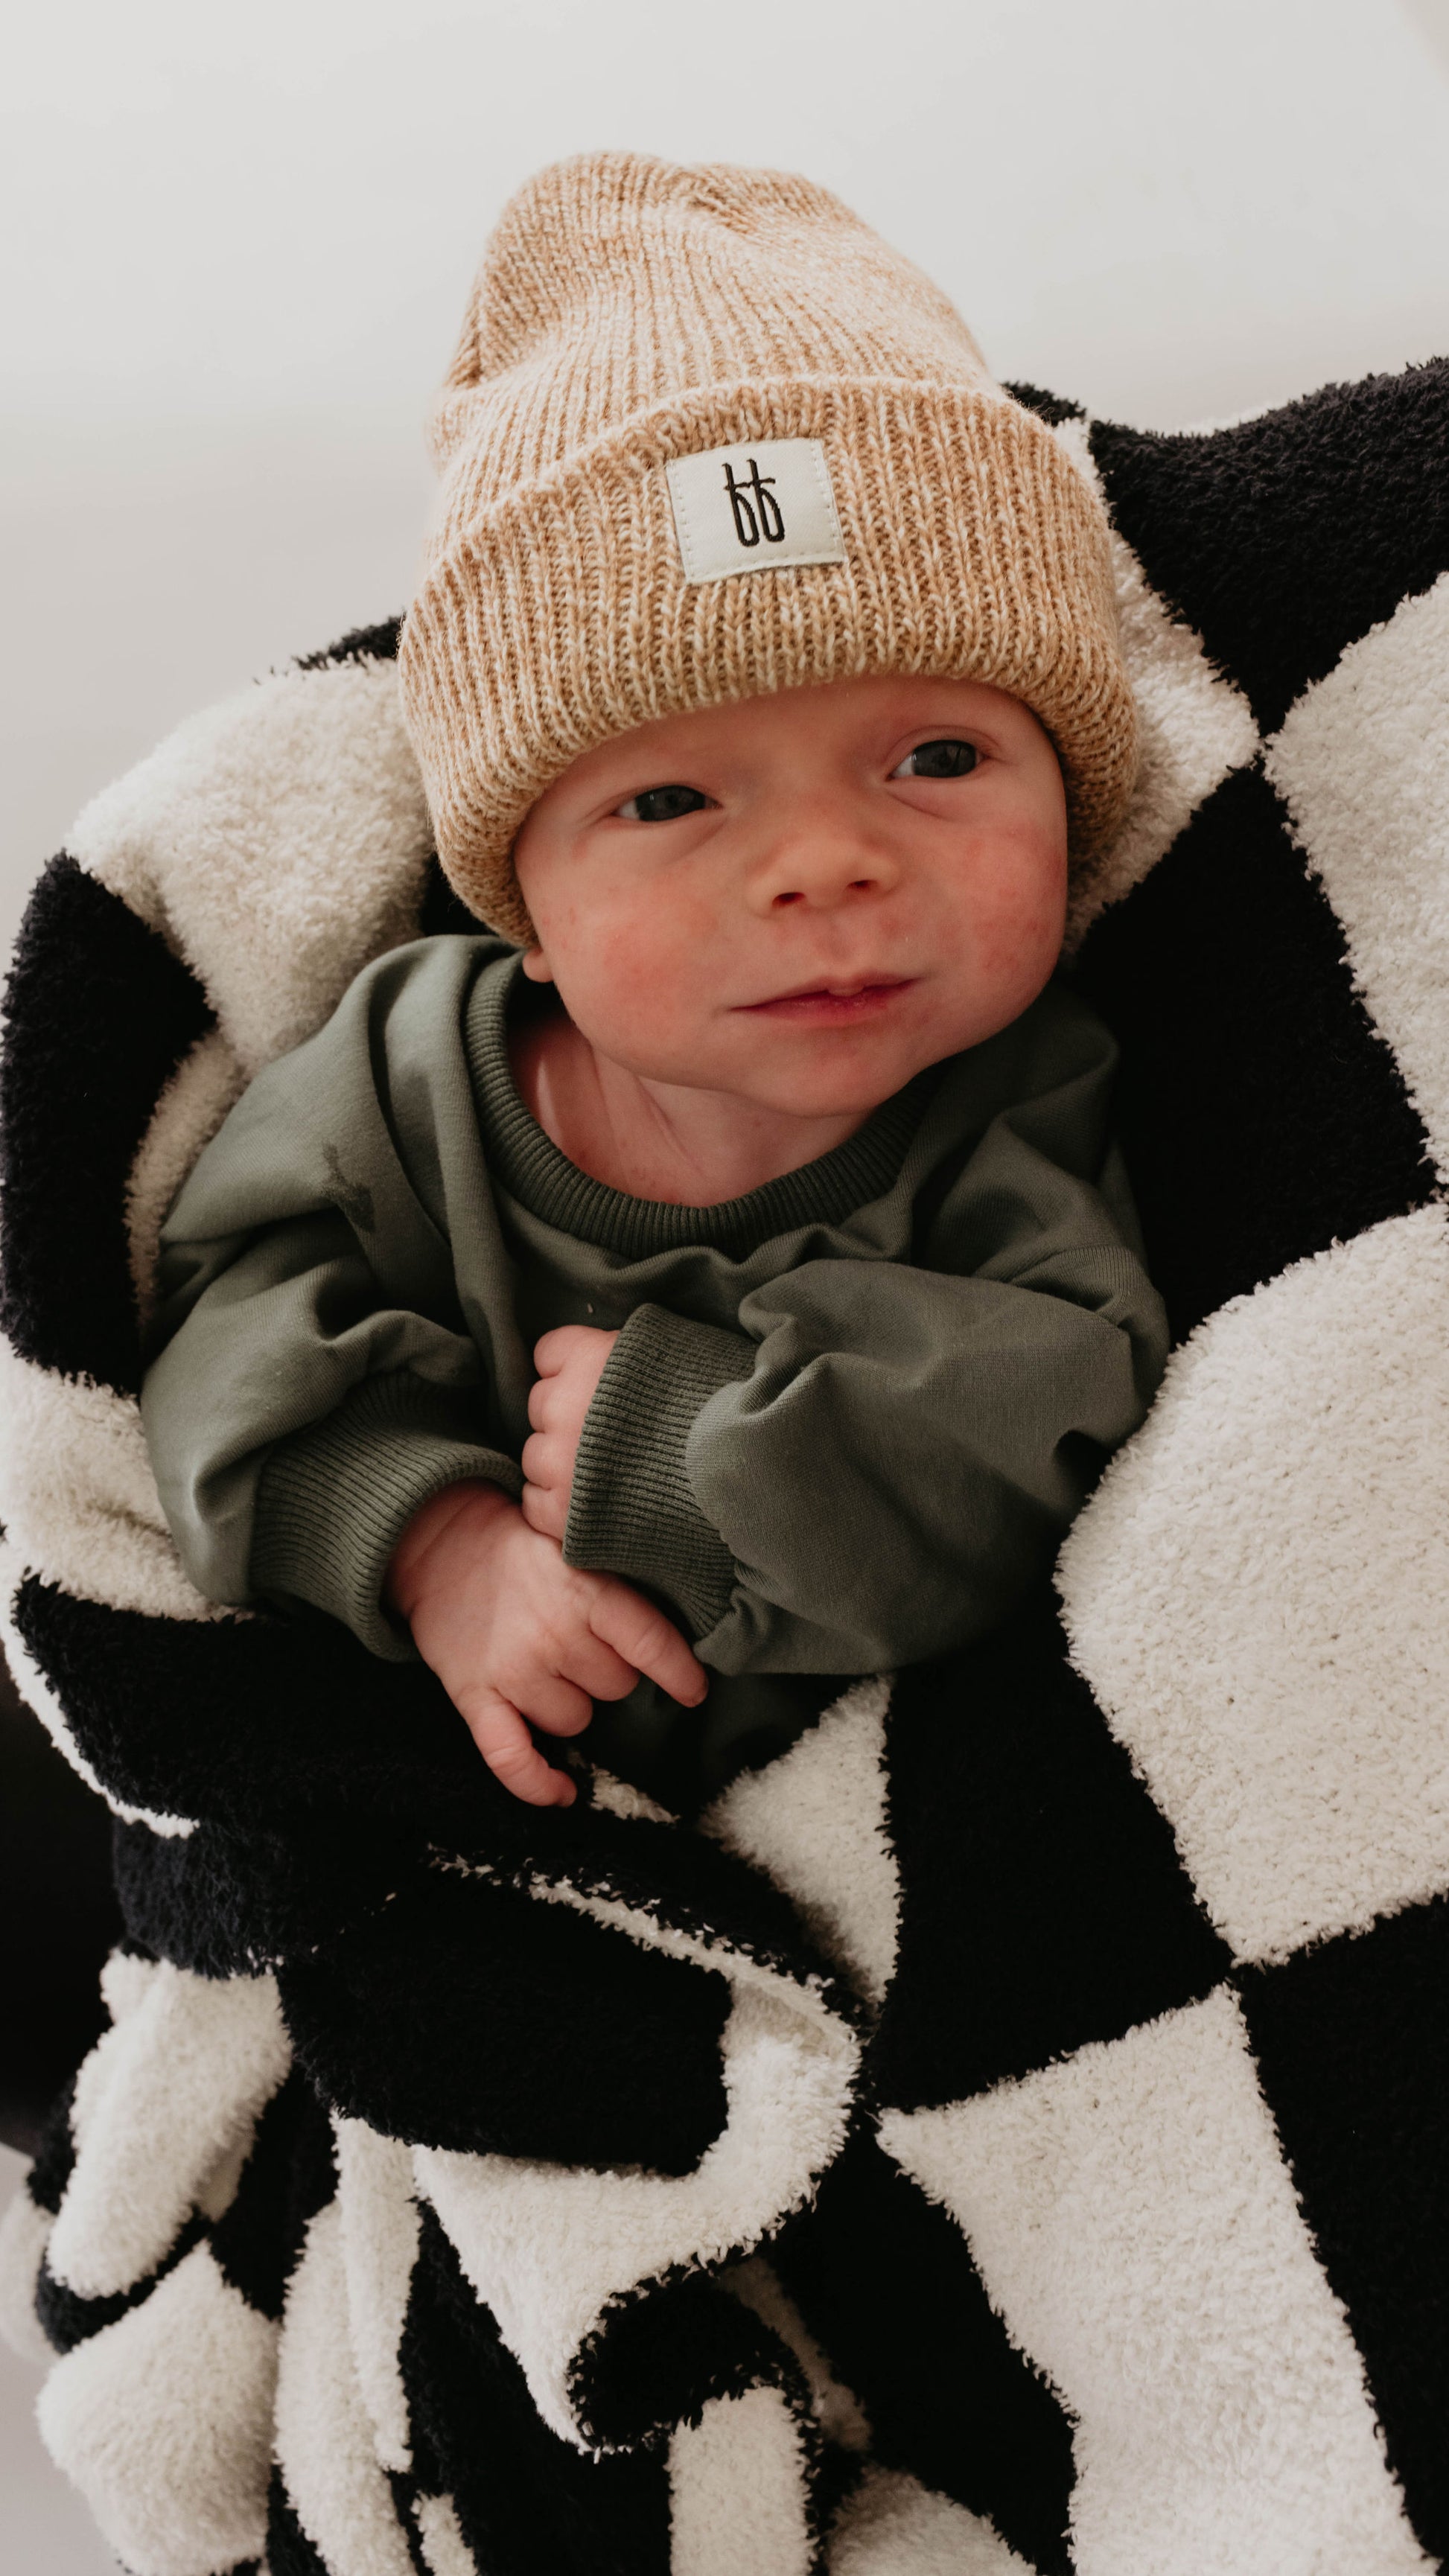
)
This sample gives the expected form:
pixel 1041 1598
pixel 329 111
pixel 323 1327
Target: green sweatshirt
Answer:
pixel 846 1418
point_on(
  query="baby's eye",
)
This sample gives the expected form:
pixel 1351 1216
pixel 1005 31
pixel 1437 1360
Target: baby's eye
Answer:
pixel 661 804
pixel 938 760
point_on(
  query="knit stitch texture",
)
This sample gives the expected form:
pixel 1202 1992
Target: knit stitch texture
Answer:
pixel 630 313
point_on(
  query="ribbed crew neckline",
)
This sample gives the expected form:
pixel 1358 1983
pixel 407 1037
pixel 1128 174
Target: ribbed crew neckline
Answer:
pixel 540 1176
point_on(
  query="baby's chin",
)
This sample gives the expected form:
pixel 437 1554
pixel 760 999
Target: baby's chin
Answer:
pixel 830 1088
pixel 832 1072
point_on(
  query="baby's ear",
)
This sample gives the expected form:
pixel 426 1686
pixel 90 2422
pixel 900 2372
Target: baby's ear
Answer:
pixel 536 966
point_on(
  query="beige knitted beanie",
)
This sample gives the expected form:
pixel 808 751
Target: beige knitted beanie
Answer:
pixel 706 436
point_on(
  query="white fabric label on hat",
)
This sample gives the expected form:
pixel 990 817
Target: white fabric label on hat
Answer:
pixel 749 509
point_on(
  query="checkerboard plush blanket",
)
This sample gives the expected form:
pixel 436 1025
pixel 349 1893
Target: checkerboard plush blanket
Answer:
pixel 1011 2131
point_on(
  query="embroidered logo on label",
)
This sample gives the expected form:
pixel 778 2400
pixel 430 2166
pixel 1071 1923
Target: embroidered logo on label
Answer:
pixel 747 509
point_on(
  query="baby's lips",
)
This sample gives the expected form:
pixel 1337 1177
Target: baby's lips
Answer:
pixel 849 999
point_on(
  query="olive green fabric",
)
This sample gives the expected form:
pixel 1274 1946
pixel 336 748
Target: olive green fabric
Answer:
pixel 847 1416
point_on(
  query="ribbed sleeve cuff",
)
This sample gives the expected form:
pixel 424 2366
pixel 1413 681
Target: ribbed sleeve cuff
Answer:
pixel 633 1511
pixel 333 1502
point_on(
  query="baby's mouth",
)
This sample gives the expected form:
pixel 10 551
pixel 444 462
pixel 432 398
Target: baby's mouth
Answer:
pixel 855 997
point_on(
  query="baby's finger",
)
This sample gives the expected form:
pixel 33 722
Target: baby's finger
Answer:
pixel 543 1402
pixel 646 1639
pixel 498 1730
pixel 544 1460
pixel 548 1700
pixel 597 1668
pixel 551 1351
pixel 545 1510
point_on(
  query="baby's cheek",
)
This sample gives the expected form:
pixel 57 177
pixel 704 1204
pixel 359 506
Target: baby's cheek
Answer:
pixel 1017 922
pixel 664 939
pixel 638 953
pixel 643 971
pixel 1017 934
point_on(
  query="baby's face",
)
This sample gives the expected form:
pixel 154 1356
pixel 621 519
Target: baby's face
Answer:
pixel 803 900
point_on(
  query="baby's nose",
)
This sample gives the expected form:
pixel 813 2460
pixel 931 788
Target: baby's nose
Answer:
pixel 821 869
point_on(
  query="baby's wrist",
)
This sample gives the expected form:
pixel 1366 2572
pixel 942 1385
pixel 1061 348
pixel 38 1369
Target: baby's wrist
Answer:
pixel 473 1509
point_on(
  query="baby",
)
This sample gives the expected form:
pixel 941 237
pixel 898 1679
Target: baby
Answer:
pixel 722 1281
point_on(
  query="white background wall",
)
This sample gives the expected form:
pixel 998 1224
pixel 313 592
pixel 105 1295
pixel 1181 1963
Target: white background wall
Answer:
pixel 236 241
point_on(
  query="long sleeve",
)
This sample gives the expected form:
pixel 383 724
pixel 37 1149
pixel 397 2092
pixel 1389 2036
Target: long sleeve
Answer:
pixel 316 1375
pixel 871 1469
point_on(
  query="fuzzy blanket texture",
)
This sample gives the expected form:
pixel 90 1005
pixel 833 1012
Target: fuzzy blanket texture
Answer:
pixel 1009 2132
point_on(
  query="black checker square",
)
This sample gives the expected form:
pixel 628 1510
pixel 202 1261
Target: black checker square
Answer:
pixel 54 2154
pixel 289 2551
pixel 1261 1114
pixel 656 2358
pixel 58 1913
pixel 1052 408
pixel 528 2503
pixel 236 1721
pixel 98 1015
pixel 290 2173
pixel 1282 540
pixel 1352 2044
pixel 1043 1903
pixel 424 2019
pixel 377 643
pixel 885 2282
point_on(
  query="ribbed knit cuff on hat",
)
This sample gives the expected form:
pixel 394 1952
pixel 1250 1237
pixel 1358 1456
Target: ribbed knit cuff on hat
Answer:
pixel 633 1511
pixel 974 549
pixel 333 1502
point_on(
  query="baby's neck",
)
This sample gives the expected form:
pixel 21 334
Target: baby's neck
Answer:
pixel 657 1140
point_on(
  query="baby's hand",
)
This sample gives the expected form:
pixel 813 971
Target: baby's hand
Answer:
pixel 570 1363
pixel 514 1634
